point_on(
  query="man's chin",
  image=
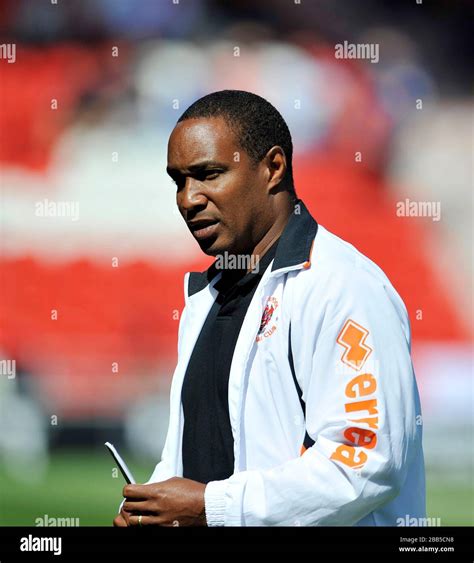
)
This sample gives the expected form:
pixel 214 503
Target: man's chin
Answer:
pixel 210 246
pixel 213 247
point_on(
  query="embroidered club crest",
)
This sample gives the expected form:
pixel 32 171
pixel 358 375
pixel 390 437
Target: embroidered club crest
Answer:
pixel 270 307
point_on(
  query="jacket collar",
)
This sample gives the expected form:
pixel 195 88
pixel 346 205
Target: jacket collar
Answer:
pixel 294 248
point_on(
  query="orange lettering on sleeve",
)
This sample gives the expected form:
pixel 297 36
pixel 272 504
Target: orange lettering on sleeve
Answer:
pixel 361 386
pixel 361 437
pixel 373 422
pixel 347 455
pixel 370 406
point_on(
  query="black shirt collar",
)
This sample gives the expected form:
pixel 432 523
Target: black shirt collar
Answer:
pixel 240 278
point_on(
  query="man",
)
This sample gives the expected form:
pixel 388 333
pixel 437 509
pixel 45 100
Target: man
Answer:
pixel 294 400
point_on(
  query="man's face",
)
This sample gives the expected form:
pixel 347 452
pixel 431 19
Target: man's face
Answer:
pixel 220 191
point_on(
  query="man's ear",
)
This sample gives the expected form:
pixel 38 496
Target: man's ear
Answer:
pixel 275 161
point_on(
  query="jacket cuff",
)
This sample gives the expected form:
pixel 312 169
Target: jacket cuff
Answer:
pixel 214 501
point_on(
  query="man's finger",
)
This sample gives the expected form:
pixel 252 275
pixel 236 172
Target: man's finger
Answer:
pixel 141 492
pixel 125 515
pixel 119 522
pixel 142 506
pixel 143 520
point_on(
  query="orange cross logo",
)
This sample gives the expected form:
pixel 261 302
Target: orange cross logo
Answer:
pixel 352 338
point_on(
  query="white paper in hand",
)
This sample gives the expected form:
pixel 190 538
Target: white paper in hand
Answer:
pixel 121 464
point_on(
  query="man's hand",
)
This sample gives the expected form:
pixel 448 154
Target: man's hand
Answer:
pixel 175 502
pixel 120 522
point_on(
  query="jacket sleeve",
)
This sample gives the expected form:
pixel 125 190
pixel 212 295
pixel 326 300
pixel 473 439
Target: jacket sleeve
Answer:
pixel 354 367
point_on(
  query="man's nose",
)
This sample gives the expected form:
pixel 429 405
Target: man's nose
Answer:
pixel 191 196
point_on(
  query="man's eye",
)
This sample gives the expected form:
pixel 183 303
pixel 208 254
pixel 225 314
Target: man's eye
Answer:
pixel 178 182
pixel 208 175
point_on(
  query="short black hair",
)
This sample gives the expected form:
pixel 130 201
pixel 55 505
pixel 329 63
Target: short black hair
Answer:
pixel 257 124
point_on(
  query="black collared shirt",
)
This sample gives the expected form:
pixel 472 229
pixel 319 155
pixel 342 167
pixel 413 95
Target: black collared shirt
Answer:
pixel 208 443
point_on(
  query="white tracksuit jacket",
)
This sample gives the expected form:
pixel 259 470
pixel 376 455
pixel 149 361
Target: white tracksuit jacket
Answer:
pixel 350 340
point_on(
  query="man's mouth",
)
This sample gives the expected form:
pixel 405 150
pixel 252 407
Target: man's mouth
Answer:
pixel 203 228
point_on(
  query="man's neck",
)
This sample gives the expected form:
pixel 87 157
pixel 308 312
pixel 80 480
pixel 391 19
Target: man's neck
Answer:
pixel 270 236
